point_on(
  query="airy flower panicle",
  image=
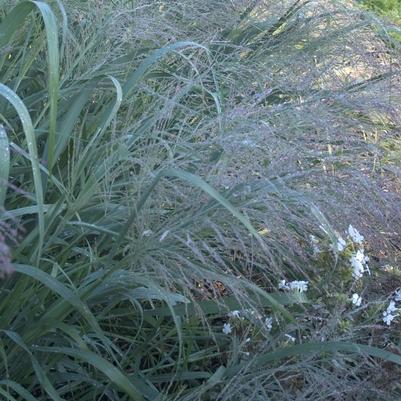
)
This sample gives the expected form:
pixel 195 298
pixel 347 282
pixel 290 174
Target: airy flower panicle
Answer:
pixel 269 323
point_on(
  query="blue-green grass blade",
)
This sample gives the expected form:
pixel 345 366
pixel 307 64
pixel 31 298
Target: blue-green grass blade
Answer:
pixel 27 126
pixel 4 164
pixel 312 348
pixel 51 28
pixel 157 54
pixel 108 369
pixel 39 372
pixel 227 304
pixel 14 21
pixel 25 394
pixel 205 187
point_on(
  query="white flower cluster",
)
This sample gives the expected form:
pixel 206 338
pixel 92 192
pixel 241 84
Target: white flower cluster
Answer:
pixel 250 314
pixel 341 244
pixel 355 236
pixel 359 263
pixel 227 329
pixel 356 299
pixel 234 313
pixel 300 286
pixel 392 310
pixel 389 315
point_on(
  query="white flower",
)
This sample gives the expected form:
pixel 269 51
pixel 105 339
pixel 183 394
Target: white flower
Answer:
pixel 356 299
pixel 315 245
pixel 388 318
pixel 355 235
pixel 397 295
pixel 388 315
pixel 227 328
pixel 341 244
pixel 391 307
pixel 269 323
pixel 282 285
pixel 291 338
pixel 300 286
pixel 147 233
pixel 359 264
pixel 234 313
pixel 358 268
pixel 248 340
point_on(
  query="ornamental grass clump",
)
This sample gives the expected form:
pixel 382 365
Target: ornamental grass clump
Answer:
pixel 179 173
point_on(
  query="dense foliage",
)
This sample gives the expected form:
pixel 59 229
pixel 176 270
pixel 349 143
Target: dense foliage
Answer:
pixel 391 8
pixel 189 195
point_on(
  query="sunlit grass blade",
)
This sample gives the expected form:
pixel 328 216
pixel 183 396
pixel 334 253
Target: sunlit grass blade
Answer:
pixel 204 186
pixel 135 77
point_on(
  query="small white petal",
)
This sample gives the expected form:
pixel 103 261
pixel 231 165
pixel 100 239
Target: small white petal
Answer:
pixel 388 318
pixel 300 286
pixel 269 323
pixel 291 338
pixel 234 313
pixel 355 235
pixel 283 285
pixel 147 233
pixel 391 307
pixel 227 328
pixel 359 264
pixel 356 299
pixel 341 244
